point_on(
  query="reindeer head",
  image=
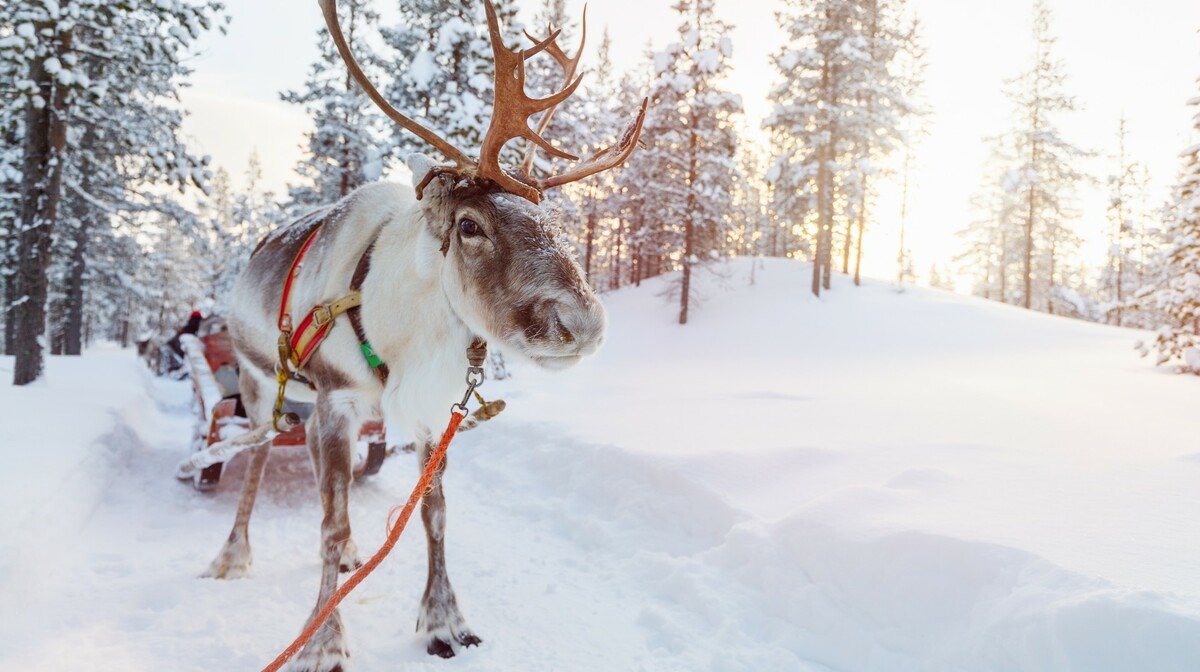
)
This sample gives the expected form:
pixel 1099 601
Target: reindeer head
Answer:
pixel 509 273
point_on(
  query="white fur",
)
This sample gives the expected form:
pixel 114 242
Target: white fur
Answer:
pixel 405 309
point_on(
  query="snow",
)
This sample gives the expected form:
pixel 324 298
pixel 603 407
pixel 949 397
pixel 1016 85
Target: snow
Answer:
pixel 870 481
pixel 708 60
pixel 422 70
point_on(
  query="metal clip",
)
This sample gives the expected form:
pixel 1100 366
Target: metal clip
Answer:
pixel 474 380
pixel 322 315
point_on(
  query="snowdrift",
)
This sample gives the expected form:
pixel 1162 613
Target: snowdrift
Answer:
pixel 873 480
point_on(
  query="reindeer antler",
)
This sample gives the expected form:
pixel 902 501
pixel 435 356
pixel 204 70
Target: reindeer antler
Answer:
pixel 329 9
pixel 569 66
pixel 511 110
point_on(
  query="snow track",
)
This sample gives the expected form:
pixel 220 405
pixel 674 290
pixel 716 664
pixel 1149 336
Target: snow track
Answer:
pixel 584 537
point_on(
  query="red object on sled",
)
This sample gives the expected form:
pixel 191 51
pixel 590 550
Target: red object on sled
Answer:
pixel 213 367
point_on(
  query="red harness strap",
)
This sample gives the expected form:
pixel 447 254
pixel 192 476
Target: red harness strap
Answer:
pixel 285 318
pixel 303 339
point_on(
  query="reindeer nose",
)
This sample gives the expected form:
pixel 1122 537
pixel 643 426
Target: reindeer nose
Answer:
pixel 583 324
pixel 576 324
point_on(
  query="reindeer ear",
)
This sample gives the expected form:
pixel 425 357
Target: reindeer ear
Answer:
pixel 433 190
pixel 420 165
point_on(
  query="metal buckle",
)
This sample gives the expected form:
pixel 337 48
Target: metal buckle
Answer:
pixel 322 315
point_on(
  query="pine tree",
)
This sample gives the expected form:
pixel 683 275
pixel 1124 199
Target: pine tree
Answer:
pixel 572 126
pixel 635 199
pixel 838 105
pixel 60 52
pixel 994 242
pixel 1177 296
pixel 1045 169
pixel 343 150
pixel 695 141
pixel 911 68
pixel 1129 236
pixel 445 56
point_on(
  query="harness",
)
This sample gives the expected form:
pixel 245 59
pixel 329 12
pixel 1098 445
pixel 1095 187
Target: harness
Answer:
pixel 299 342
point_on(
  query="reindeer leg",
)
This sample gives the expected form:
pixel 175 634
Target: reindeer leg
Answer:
pixel 233 561
pixel 331 445
pixel 349 560
pixel 440 622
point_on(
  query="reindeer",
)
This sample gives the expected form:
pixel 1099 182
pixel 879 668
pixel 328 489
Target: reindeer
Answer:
pixel 464 257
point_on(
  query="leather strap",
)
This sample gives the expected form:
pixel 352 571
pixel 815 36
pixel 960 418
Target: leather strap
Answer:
pixel 315 327
pixel 354 313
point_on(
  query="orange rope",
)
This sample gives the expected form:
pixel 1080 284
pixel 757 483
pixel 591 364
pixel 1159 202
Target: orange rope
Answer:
pixel 393 535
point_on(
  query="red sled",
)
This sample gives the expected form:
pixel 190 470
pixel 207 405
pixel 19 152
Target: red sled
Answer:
pixel 222 419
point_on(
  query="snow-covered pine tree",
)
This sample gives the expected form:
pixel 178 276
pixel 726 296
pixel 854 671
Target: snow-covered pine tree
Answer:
pixel 993 239
pixel 636 197
pixel 1177 296
pixel 592 123
pixel 342 151
pixel 238 220
pixel 911 66
pixel 11 131
pixel 818 100
pixel 571 127
pixel 1129 237
pixel 445 65
pixel 1045 167
pixel 694 155
pixel 116 152
pixel 884 102
pixel 839 105
pixel 59 52
pixel 751 225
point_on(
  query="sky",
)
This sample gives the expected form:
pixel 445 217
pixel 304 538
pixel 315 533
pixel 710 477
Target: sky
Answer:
pixel 1137 59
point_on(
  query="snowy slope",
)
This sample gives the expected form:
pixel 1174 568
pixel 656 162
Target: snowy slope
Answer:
pixel 870 481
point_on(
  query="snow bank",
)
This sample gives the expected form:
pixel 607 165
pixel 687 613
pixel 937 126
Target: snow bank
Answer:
pixel 873 481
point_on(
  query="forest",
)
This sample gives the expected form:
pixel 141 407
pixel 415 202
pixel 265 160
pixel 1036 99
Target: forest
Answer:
pixel 112 227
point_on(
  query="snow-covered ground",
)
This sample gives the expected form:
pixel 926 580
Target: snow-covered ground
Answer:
pixel 871 481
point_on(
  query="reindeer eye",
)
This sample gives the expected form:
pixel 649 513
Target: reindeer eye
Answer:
pixel 469 228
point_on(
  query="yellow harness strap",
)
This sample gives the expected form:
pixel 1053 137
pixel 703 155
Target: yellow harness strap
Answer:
pixel 315 326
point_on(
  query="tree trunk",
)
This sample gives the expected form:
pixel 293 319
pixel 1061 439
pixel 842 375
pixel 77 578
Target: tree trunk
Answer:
pixel 616 281
pixel 591 238
pixel 85 222
pixel 10 296
pixel 827 265
pixel 689 234
pixel 847 245
pixel 824 207
pixel 55 323
pixel 45 140
pixel 1033 159
pixel 862 221
pixel 1003 263
pixel 902 258
pixel 858 253
pixel 72 329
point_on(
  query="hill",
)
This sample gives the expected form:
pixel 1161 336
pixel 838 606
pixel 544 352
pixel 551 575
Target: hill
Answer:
pixel 869 481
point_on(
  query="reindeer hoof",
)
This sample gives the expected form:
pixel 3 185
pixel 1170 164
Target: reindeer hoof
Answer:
pixel 440 648
pixel 325 652
pixel 233 562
